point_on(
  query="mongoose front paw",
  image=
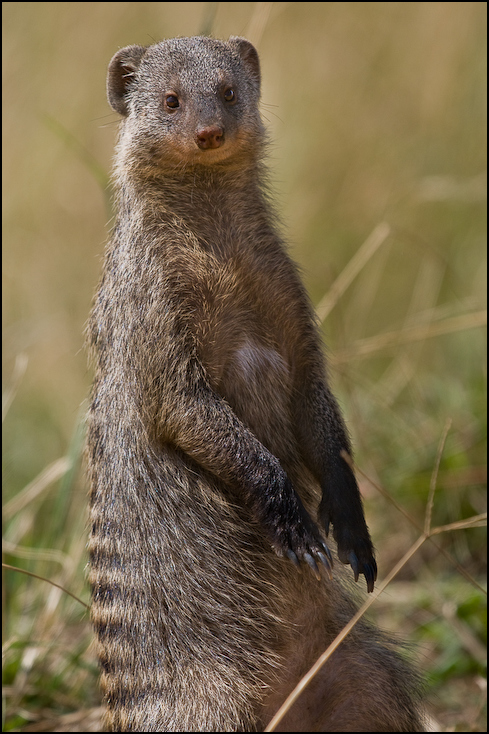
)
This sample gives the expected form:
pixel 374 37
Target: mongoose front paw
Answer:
pixel 320 551
pixel 290 528
pixel 369 569
pixel 358 552
pixel 298 538
pixel 341 507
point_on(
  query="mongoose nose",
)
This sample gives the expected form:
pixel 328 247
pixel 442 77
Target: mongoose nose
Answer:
pixel 210 137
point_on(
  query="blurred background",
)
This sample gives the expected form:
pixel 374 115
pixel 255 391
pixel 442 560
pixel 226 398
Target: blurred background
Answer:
pixel 377 117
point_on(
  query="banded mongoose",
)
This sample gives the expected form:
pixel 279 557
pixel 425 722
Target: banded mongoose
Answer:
pixel 214 442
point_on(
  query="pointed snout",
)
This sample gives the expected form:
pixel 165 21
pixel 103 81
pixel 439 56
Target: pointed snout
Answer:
pixel 210 137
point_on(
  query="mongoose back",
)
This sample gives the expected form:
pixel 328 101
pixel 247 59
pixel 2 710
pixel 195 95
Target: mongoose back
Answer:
pixel 214 442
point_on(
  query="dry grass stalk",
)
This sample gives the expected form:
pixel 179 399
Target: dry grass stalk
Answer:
pixel 356 264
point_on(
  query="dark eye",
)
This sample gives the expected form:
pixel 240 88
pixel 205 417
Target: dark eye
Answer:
pixel 171 101
pixel 229 95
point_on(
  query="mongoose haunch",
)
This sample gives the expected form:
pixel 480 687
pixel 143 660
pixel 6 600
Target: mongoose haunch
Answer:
pixel 214 442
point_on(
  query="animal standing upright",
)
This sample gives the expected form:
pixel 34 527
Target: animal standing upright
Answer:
pixel 214 442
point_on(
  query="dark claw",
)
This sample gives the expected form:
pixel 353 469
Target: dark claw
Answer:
pixel 370 571
pixel 373 566
pixel 353 561
pixel 312 563
pixel 328 554
pixel 325 563
pixel 292 556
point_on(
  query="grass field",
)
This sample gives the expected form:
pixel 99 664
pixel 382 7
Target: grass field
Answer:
pixel 377 116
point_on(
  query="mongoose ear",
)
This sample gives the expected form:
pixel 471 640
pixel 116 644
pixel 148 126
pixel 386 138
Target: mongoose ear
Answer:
pixel 249 55
pixel 120 76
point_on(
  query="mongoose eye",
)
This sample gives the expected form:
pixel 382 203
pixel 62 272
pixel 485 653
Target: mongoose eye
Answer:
pixel 171 101
pixel 229 95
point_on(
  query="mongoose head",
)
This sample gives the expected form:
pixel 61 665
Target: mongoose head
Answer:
pixel 187 101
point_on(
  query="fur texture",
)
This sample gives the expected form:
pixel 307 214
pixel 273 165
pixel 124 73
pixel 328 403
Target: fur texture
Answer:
pixel 214 441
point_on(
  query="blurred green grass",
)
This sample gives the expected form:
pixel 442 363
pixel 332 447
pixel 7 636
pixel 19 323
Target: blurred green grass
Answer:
pixel 377 113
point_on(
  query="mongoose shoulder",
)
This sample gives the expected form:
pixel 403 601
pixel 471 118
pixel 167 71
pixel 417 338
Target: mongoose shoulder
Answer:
pixel 215 446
